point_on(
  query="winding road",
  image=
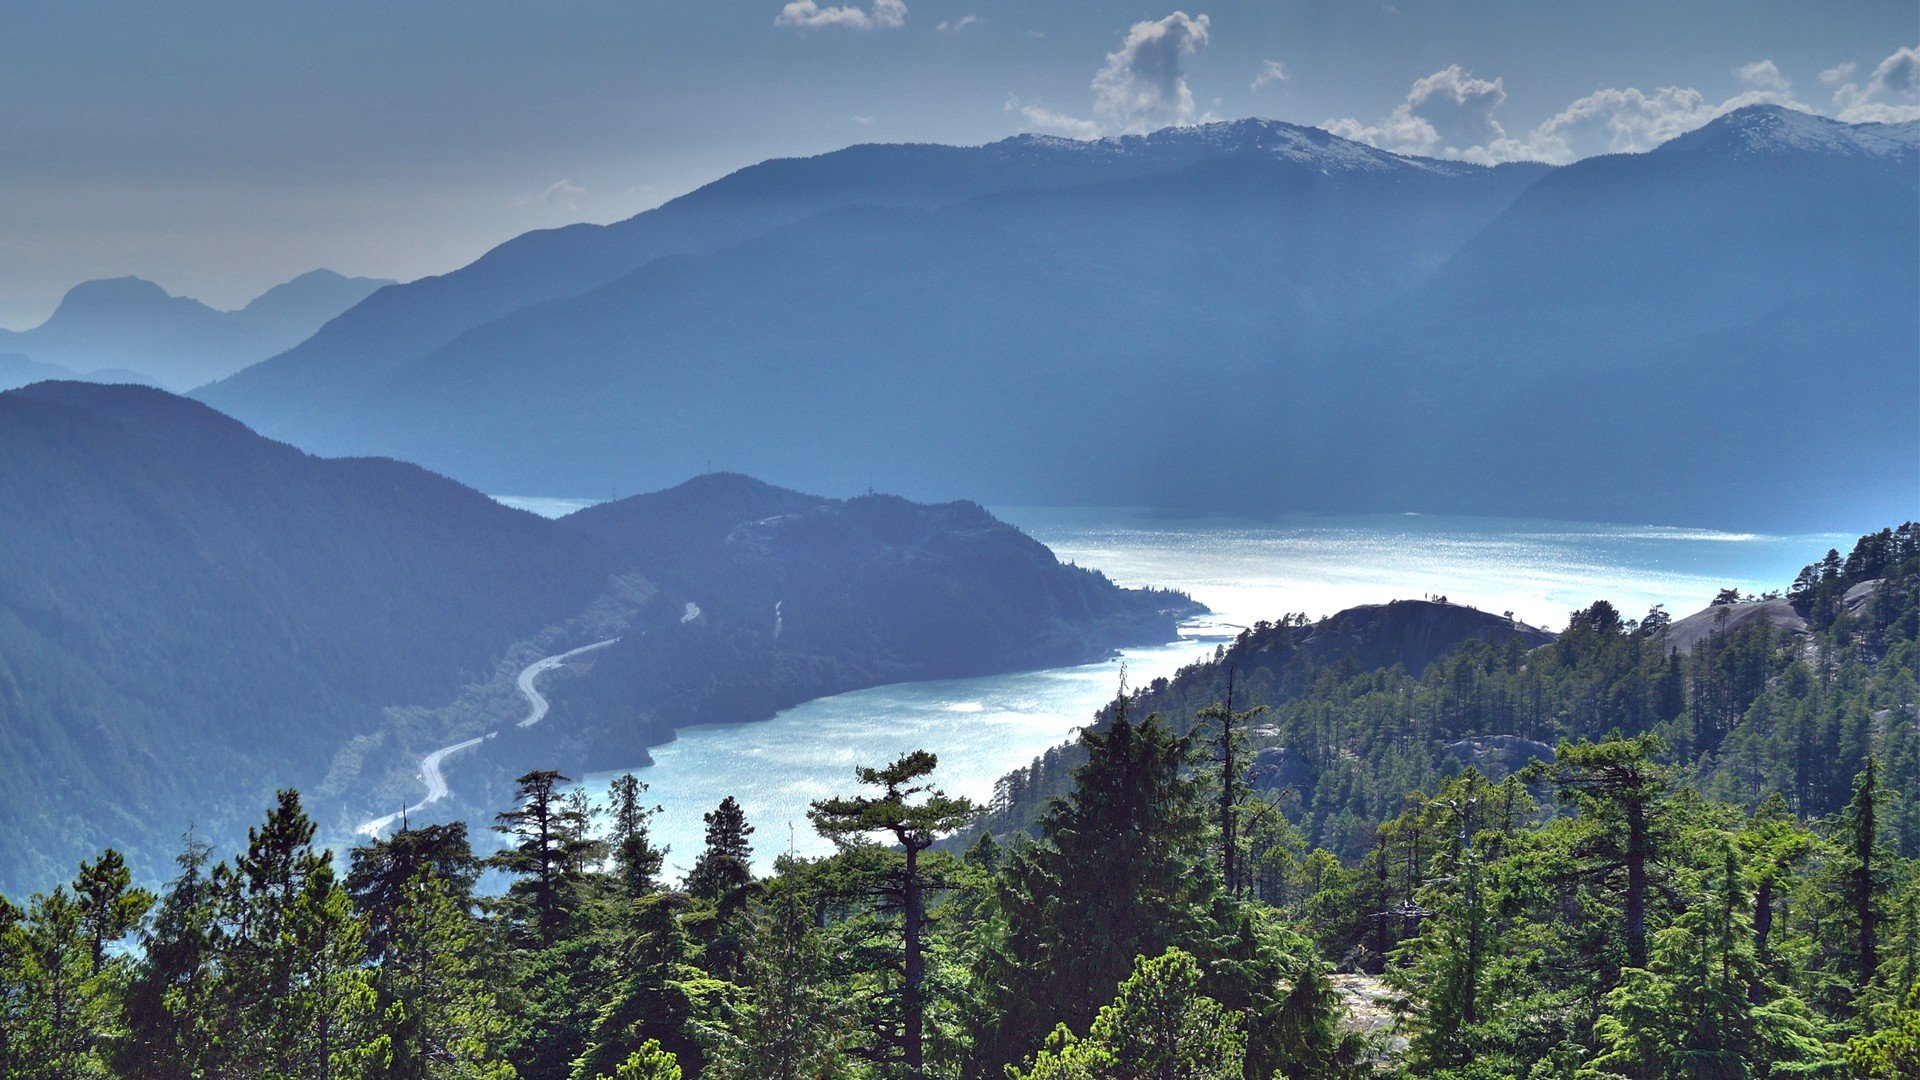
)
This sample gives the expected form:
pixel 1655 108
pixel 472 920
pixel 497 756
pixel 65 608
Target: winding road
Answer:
pixel 537 706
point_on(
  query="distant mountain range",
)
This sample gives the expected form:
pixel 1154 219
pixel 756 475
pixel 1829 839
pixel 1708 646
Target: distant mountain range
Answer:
pixel 192 615
pixel 1250 316
pixel 131 330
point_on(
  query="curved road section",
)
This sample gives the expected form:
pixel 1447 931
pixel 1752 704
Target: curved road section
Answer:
pixel 537 706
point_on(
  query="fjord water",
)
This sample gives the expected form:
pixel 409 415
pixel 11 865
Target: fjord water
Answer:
pixel 1244 571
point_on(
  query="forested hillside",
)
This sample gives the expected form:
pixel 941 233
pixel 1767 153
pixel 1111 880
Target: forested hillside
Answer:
pixel 1688 882
pixel 192 615
pixel 800 596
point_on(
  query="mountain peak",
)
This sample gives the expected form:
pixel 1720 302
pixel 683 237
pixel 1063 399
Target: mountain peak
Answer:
pixel 315 296
pixel 1251 135
pixel 117 295
pixel 1776 129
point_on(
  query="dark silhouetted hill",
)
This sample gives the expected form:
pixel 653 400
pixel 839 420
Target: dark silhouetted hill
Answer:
pixel 192 615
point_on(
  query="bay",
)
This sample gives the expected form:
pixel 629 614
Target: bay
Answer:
pixel 1245 571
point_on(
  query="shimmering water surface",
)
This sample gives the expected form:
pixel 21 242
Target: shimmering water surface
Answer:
pixel 1245 571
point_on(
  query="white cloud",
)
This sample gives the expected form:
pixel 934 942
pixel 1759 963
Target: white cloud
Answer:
pixel 1045 120
pixel 863 120
pixel 1143 85
pixel 1449 113
pixel 809 15
pixel 1891 94
pixel 1838 73
pixel 954 26
pixel 559 194
pixel 1762 75
pixel 1899 73
pixel 1270 72
pixel 1452 113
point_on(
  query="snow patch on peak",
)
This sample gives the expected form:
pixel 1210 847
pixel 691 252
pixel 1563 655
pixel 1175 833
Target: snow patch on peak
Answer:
pixel 1310 146
pixel 1775 129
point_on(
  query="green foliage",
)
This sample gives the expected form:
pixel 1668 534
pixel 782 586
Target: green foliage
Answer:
pixel 649 1062
pixel 1160 1027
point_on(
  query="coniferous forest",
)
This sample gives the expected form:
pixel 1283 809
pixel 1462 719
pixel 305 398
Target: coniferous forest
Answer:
pixel 1712 871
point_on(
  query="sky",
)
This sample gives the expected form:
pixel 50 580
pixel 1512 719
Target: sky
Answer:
pixel 220 148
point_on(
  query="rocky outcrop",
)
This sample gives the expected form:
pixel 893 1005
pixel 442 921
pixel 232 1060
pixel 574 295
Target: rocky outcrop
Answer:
pixel 1860 596
pixel 1498 756
pixel 1277 767
pixel 1686 633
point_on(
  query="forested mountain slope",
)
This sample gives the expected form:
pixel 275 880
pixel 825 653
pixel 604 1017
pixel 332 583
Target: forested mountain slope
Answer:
pixel 1354 330
pixel 1646 325
pixel 800 596
pixel 313 393
pixel 192 615
pixel 1751 706
pixel 791 352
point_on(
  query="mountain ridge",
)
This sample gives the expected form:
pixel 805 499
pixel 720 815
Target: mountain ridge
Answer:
pixel 132 325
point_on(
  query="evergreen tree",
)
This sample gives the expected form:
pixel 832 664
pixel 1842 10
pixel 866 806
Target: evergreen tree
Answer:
pixel 169 1014
pixel 722 876
pixel 550 850
pixel 1862 881
pixel 1121 871
pixel 110 907
pixel 635 858
pixel 385 876
pixel 912 814
pixel 1618 789
pixel 295 998
pixel 791 1023
pixel 650 1062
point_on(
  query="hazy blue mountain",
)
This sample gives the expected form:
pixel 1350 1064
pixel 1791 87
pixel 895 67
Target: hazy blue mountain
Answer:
pixel 1249 316
pixel 875 345
pixel 1646 336
pixel 17 370
pixel 310 393
pixel 800 596
pixel 191 614
pixel 133 325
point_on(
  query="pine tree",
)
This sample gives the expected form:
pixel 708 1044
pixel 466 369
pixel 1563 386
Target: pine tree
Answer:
pixel 912 814
pixel 723 876
pixel 110 907
pixel 1862 880
pixel 439 1007
pixel 1618 789
pixel 650 1062
pixel 1120 872
pixel 792 1023
pixel 295 997
pixel 635 858
pixel 551 849
pixel 384 877
pixel 169 1004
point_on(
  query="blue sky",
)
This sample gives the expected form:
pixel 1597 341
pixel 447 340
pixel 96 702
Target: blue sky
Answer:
pixel 218 148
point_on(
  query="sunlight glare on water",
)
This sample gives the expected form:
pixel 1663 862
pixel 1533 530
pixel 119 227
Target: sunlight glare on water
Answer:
pixel 1245 571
